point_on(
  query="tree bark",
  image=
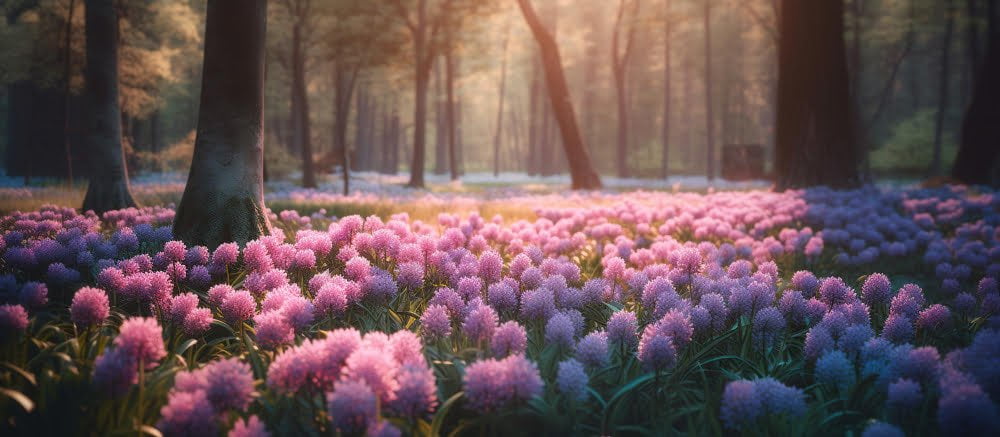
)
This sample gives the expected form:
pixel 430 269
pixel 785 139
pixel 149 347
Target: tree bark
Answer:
pixel 532 165
pixel 449 119
pixel 224 196
pixel 815 140
pixel 300 105
pixel 943 82
pixel 581 172
pixel 503 92
pixel 978 152
pixel 109 187
pixel 343 90
pixel 619 66
pixel 665 132
pixel 67 78
pixel 709 119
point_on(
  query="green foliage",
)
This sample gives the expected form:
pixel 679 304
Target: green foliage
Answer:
pixel 910 147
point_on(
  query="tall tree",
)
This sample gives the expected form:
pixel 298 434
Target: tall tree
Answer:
pixel 67 81
pixel 665 131
pixel 815 141
pixel 709 119
pixel 450 102
pixel 224 196
pixel 943 84
pixel 300 12
pixel 108 188
pixel 582 174
pixel 423 32
pixel 500 101
pixel 619 65
pixel 978 152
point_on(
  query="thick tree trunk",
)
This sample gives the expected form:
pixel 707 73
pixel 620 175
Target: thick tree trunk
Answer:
pixel 300 105
pixel 978 151
pixel 581 172
pixel 108 188
pixel 709 118
pixel 619 66
pixel 224 196
pixel 343 90
pixel 815 141
pixel 943 83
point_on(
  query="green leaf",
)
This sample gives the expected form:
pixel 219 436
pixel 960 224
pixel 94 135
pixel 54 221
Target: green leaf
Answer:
pixel 183 347
pixel 20 398
pixel 30 377
pixel 438 421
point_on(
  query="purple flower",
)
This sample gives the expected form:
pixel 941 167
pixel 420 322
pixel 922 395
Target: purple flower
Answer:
pixel 559 331
pixel 416 396
pixel 592 350
pixel 34 295
pixel 450 299
pixel 13 318
pixel 964 409
pixel 768 326
pixel 877 290
pixel 490 266
pixel 571 380
pixel 142 339
pixel 59 274
pixel 656 350
pixel 741 404
pixel 908 301
pixel 238 306
pixel 904 395
pixel 188 413
pixel 897 329
pixel 480 323
pixel 805 281
pixel 374 368
pixel 778 398
pixel 833 291
pixel 352 406
pixel 197 322
pixel 357 269
pixel 256 257
pixel 469 287
pixel 882 429
pixel 90 307
pixel 834 369
pixel 218 294
pixel 502 297
pixel 818 342
pixel 935 318
pixel 251 427
pixel 273 330
pixel 435 322
pixel 623 329
pixel 226 254
pixel 115 371
pixel 538 304
pixel 175 251
pixel 509 338
pixel 331 300
pixel 491 385
pixel 179 307
pixel 410 275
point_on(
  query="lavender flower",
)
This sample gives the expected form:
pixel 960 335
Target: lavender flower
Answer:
pixel 571 380
pixel 90 307
pixel 509 338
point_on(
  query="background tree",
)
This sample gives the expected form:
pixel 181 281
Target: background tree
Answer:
pixel 977 158
pixel 108 188
pixel 224 196
pixel 628 12
pixel 815 142
pixel 582 174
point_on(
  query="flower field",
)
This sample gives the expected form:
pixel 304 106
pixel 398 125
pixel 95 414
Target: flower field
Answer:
pixel 872 312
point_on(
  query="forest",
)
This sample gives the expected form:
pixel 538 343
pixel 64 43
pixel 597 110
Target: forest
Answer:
pixel 500 217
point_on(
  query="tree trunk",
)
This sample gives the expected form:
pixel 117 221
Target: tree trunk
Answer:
pixel 422 63
pixel 619 66
pixel 109 188
pixel 440 130
pixel 581 172
pixel 978 151
pixel 665 132
pixel 532 164
pixel 224 196
pixel 709 119
pixel 449 86
pixel 503 92
pixel 815 141
pixel 300 106
pixel 343 90
pixel 67 77
pixel 943 83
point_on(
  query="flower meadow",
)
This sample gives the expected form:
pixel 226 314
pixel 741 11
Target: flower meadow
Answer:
pixel 874 312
